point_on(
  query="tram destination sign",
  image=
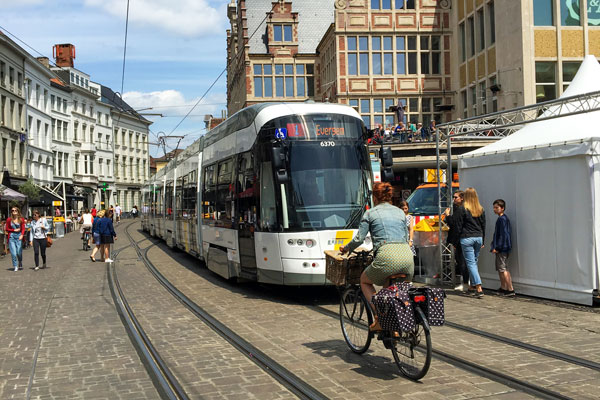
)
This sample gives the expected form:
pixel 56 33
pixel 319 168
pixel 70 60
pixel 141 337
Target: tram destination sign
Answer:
pixel 317 129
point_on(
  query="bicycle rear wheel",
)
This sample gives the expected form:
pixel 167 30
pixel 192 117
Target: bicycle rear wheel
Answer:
pixel 355 319
pixel 412 352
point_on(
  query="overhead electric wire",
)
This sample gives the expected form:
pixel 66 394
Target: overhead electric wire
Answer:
pixel 224 70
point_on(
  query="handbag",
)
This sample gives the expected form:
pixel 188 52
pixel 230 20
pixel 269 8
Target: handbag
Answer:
pixel 48 241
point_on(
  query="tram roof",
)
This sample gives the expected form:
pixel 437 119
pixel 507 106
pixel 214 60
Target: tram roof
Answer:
pixel 260 114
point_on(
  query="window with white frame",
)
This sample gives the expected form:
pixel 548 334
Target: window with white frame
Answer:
pixel 283 80
pixel 431 55
pixel 387 4
pixel 406 56
pixel 382 55
pixel 282 32
pixel 545 80
pixel 358 55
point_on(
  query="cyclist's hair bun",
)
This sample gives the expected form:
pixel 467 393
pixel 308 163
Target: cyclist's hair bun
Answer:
pixel 383 192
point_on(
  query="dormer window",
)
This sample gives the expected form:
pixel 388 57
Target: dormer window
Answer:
pixel 282 33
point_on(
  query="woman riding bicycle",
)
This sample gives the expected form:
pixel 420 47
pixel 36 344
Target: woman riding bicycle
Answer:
pixel 389 234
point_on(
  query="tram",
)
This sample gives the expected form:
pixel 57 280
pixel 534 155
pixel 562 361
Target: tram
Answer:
pixel 264 194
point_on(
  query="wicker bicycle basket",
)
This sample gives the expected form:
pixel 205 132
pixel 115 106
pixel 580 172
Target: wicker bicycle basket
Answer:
pixel 346 269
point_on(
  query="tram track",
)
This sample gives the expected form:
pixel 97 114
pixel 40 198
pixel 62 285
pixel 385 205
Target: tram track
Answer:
pixel 294 384
pixel 491 374
pixel 480 370
pixel 165 382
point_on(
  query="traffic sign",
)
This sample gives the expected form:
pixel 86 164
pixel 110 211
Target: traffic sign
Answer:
pixel 57 203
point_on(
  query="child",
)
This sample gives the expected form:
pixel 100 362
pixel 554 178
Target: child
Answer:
pixel 501 246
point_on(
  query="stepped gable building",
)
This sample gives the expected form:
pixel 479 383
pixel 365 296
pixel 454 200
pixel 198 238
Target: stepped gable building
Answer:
pixel 271 50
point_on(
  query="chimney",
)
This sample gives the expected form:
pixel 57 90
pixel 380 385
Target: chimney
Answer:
pixel 64 54
pixel 45 61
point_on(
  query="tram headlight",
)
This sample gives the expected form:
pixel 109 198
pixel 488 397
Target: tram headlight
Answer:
pixel 291 242
pixel 310 243
pixel 299 242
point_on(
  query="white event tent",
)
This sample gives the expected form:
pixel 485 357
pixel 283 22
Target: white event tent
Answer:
pixel 548 173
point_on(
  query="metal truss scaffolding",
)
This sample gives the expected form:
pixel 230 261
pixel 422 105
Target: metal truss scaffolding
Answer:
pixel 499 124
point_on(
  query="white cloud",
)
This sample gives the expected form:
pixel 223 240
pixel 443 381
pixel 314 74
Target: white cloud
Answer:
pixel 188 18
pixel 173 103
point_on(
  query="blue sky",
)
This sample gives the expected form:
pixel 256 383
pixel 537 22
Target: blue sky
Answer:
pixel 175 51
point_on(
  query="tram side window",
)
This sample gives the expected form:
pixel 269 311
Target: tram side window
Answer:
pixel 169 199
pixel 247 192
pixel 190 194
pixel 225 193
pixel 179 196
pixel 159 202
pixel 208 197
pixel 268 204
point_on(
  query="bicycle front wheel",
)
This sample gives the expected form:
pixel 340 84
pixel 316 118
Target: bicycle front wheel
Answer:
pixel 412 352
pixel 355 319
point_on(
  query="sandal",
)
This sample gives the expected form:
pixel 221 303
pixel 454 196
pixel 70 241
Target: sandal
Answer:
pixel 93 259
pixel 375 327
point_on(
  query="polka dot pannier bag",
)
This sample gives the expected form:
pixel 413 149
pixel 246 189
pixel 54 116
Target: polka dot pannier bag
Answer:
pixel 394 308
pixel 435 306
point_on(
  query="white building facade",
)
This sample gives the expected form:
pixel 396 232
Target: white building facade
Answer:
pixel 62 129
pixel 12 110
pixel 39 93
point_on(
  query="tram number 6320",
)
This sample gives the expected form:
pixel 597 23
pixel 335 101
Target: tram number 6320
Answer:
pixel 327 143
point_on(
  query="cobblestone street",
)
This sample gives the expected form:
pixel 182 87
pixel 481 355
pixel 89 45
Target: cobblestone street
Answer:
pixel 64 338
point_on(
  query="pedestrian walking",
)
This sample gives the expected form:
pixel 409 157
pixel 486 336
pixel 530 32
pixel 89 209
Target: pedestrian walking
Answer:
pixel 454 240
pixel 118 213
pixel 37 238
pixel 107 234
pixel 501 247
pixel 470 222
pixel 15 229
pixel 96 237
pixel 134 212
pixel 93 211
pixel 112 211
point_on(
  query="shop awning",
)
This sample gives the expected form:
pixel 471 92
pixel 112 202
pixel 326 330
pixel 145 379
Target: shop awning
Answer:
pixel 7 193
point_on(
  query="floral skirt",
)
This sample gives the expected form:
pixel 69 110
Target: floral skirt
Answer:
pixel 391 259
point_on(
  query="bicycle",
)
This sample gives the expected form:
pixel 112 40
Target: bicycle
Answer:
pixel 87 234
pixel 411 350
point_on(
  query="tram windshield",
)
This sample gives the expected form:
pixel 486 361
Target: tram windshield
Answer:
pixel 327 187
pixel 328 169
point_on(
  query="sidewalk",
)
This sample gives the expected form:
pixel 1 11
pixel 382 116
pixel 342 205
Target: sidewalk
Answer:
pixel 61 335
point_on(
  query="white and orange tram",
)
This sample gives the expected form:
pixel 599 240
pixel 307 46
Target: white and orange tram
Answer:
pixel 264 194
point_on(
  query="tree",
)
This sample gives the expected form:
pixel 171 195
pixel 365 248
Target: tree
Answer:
pixel 31 190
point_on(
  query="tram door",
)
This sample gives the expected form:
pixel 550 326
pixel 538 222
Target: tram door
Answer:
pixel 247 195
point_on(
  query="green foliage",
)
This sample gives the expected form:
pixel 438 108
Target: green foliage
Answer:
pixel 30 190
